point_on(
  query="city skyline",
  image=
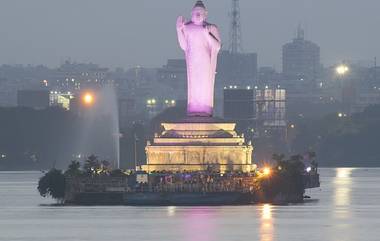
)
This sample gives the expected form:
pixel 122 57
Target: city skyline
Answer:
pixel 43 32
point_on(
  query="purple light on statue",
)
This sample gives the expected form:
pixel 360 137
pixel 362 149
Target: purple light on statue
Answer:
pixel 201 42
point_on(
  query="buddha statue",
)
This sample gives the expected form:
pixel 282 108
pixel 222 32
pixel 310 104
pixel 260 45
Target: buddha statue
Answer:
pixel 201 43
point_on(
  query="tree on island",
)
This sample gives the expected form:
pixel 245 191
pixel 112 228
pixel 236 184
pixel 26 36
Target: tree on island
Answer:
pixel 52 184
pixel 91 165
pixel 73 169
pixel 278 157
pixel 286 181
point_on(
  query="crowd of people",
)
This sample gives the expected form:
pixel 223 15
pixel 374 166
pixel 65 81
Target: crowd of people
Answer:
pixel 198 182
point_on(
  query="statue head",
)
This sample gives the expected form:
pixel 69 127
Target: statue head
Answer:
pixel 199 13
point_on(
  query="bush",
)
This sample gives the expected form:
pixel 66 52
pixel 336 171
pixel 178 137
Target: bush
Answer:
pixel 52 184
pixel 286 181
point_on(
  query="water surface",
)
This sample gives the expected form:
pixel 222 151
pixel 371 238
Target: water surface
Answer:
pixel 346 207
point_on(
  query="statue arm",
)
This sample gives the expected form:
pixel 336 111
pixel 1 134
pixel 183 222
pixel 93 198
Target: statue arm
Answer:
pixel 181 33
pixel 214 37
pixel 216 44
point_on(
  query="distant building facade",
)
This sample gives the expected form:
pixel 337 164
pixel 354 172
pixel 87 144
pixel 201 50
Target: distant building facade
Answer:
pixel 239 104
pixel 173 78
pixel 78 76
pixel 268 75
pixel 36 99
pixel 61 99
pixel 238 69
pixel 271 108
pixel 363 100
pixel 258 112
pixel 301 59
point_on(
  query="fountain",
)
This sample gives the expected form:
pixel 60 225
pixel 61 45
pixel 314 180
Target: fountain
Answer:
pixel 100 127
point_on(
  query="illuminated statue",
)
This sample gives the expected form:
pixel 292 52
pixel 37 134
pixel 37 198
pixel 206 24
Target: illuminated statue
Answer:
pixel 201 42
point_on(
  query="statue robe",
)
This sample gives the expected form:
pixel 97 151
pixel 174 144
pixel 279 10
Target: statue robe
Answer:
pixel 201 49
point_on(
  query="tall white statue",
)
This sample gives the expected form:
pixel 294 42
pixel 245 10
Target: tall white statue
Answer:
pixel 201 42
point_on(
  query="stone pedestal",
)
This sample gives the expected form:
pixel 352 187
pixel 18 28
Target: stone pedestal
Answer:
pixel 199 144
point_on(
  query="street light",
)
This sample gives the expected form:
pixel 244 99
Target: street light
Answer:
pixel 342 69
pixel 151 102
pixel 88 98
pixel 341 115
pixel 266 171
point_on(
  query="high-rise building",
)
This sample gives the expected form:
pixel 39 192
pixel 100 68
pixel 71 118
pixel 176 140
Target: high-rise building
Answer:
pixel 268 75
pixel 301 59
pixel 236 68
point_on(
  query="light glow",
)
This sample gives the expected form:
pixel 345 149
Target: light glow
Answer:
pixel 267 226
pixel 88 98
pixel 266 171
pixel 342 69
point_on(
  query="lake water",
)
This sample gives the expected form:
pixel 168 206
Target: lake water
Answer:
pixel 346 207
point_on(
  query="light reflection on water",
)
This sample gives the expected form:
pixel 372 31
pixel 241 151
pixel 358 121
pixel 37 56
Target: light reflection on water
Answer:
pixel 199 225
pixel 171 211
pixel 346 207
pixel 266 227
pixel 342 194
pixel 342 182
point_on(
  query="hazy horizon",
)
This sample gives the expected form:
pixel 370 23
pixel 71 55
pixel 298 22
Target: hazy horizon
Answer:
pixel 124 33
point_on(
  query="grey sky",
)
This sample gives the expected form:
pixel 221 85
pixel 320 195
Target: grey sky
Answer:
pixel 142 32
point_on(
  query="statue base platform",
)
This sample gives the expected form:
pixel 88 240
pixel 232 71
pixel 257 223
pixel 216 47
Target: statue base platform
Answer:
pixel 199 144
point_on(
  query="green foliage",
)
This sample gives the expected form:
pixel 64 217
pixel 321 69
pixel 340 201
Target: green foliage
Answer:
pixel 105 166
pixel 342 141
pixel 91 164
pixel 296 158
pixel 73 169
pixel 286 179
pixel 52 184
pixel 278 157
pixel 312 155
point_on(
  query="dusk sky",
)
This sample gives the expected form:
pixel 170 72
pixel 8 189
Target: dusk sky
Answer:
pixel 125 33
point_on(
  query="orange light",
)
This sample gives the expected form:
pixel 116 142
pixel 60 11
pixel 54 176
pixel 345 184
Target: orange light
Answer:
pixel 88 98
pixel 266 171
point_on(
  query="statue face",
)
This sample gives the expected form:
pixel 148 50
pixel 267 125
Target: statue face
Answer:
pixel 198 15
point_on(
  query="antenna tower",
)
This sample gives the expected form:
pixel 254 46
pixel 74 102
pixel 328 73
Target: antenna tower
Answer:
pixel 235 31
